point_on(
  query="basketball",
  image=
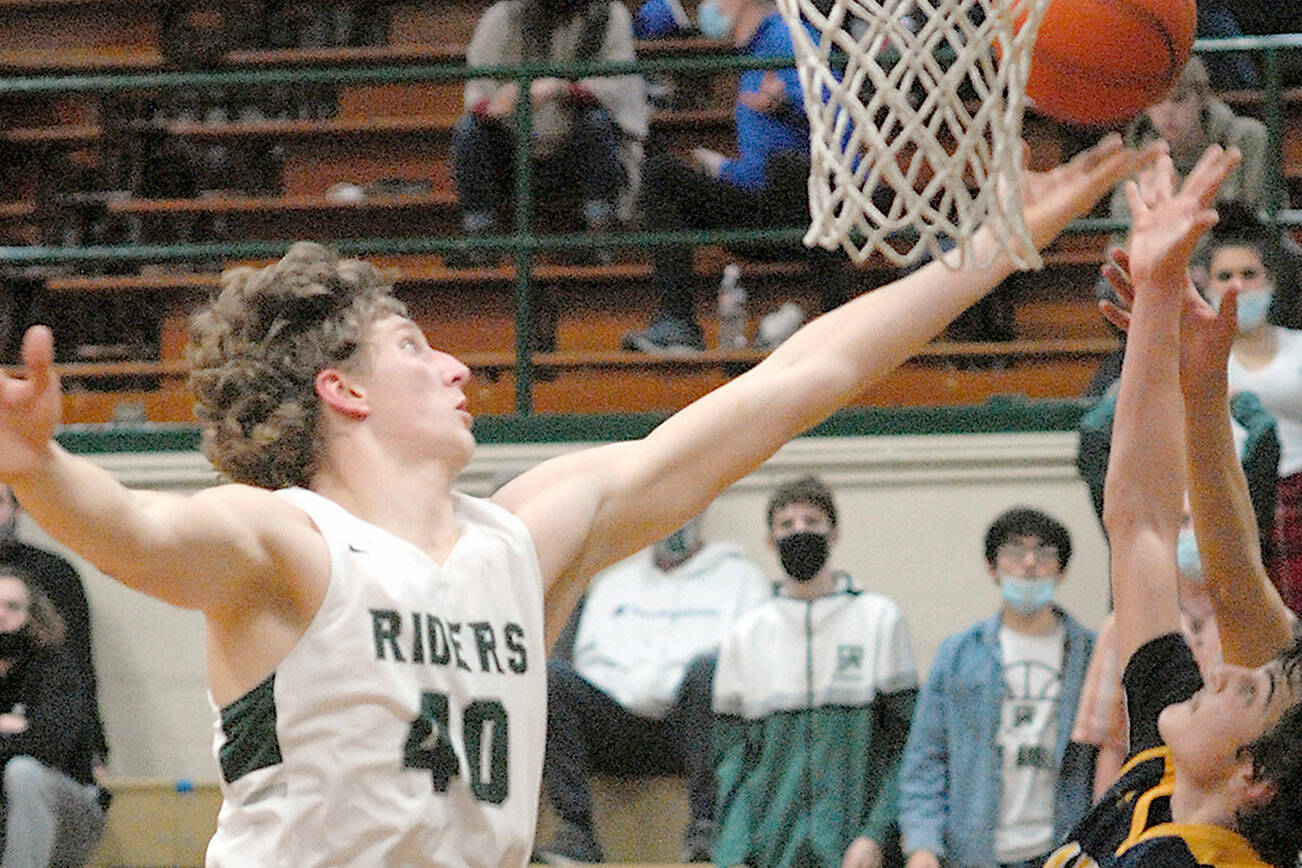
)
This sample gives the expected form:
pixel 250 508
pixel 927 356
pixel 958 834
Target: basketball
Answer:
pixel 1101 62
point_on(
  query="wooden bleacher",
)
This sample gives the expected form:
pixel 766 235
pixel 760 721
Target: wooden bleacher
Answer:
pixel 401 130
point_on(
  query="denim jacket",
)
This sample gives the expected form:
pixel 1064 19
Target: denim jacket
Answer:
pixel 950 780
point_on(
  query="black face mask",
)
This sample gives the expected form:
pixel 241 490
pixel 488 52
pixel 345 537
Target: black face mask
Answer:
pixel 803 554
pixel 14 645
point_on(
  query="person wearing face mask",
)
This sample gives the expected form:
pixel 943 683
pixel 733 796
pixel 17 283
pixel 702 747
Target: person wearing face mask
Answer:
pixel 52 811
pixel 1189 118
pixel 763 184
pixel 635 697
pixel 990 776
pixel 812 698
pixel 1242 256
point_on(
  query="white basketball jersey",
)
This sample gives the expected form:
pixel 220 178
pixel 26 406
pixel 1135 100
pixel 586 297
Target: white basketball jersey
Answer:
pixel 406 726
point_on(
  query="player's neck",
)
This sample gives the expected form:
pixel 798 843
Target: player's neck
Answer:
pixel 1193 804
pixel 414 504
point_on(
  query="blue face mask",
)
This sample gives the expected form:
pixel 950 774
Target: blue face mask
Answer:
pixel 1186 556
pixel 1027 596
pixel 713 22
pixel 1253 307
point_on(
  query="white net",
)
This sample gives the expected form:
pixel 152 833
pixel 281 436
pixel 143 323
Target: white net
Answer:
pixel 915 114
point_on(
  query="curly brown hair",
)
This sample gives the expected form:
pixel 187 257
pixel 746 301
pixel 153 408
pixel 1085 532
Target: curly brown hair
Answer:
pixel 256 350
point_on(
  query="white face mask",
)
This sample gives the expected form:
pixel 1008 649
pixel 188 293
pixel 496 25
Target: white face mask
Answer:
pixel 713 21
pixel 1027 596
pixel 1253 307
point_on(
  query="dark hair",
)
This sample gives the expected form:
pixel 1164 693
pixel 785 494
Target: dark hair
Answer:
pixel 1238 226
pixel 807 489
pixel 1274 827
pixel 1024 521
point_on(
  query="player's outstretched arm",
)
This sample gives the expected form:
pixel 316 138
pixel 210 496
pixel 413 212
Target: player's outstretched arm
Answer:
pixel 210 551
pixel 1145 482
pixel 1254 622
pixel 1252 619
pixel 589 509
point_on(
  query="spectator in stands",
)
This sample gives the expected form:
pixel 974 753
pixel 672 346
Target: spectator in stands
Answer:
pixel 813 696
pixel 990 776
pixel 1189 119
pixel 580 127
pixel 636 698
pixel 52 809
pixel 61 584
pixel 765 185
pixel 1266 360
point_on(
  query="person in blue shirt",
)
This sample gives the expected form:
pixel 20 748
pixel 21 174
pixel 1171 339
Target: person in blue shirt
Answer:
pixel 765 185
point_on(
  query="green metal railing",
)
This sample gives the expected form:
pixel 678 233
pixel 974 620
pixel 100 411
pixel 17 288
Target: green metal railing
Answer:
pixel 522 240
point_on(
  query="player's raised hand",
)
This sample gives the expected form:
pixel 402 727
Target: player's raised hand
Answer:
pixel 29 406
pixel 1054 198
pixel 1166 223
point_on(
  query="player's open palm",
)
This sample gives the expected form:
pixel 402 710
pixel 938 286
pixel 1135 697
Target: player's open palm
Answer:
pixel 1206 334
pixel 1166 223
pixel 1054 198
pixel 29 407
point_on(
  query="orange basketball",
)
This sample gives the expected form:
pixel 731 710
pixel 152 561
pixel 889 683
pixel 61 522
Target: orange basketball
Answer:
pixel 1101 62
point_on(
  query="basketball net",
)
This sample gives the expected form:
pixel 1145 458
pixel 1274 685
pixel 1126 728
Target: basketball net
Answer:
pixel 927 114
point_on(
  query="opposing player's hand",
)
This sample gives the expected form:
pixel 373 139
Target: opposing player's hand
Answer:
pixel 1206 334
pixel 922 859
pixel 29 406
pixel 1054 198
pixel 1166 223
pixel 862 853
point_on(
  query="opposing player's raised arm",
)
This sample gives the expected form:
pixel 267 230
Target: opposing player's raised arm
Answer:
pixel 206 551
pixel 588 509
pixel 1145 484
pixel 1253 621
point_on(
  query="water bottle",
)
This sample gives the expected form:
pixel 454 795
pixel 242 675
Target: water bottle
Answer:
pixel 732 310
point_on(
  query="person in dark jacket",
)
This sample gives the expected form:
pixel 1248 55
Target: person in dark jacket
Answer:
pixel 52 810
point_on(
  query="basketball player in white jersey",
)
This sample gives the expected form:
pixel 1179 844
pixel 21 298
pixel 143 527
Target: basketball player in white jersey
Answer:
pixel 375 642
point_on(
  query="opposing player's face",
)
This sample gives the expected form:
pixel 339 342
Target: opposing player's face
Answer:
pixel 416 389
pixel 15 604
pixel 1234 707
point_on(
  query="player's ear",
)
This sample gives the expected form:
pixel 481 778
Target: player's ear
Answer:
pixel 338 392
pixel 1252 790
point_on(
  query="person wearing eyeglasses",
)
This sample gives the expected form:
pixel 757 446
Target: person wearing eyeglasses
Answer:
pixel 990 776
